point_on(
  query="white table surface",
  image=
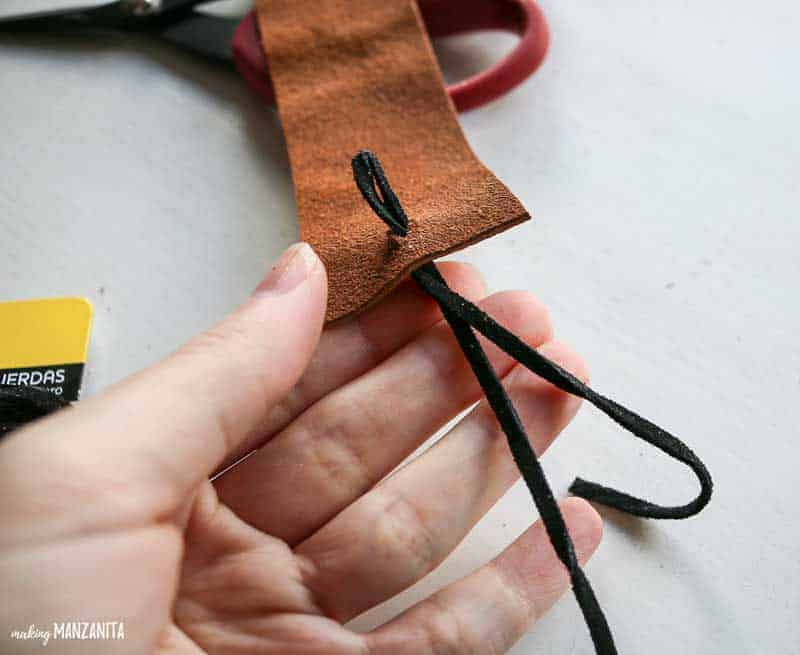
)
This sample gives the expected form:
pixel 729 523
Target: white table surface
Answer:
pixel 658 149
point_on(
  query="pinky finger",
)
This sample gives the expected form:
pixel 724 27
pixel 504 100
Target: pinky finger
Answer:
pixel 490 610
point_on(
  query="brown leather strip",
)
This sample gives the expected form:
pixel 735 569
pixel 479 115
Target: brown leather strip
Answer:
pixel 360 74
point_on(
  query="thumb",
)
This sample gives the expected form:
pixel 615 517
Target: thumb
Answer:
pixel 168 427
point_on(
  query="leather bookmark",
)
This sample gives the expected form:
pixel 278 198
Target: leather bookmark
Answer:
pixel 359 76
pixel 354 74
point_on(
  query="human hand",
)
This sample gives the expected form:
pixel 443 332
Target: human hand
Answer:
pixel 108 513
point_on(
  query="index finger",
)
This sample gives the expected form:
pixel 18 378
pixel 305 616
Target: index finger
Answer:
pixel 349 349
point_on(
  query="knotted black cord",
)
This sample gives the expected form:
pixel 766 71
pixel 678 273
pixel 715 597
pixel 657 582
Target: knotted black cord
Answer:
pixel 21 405
pixel 464 317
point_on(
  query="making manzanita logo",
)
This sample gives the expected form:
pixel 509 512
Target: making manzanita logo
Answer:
pixel 72 631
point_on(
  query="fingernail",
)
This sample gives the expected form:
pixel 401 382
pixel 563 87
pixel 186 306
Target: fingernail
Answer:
pixel 290 270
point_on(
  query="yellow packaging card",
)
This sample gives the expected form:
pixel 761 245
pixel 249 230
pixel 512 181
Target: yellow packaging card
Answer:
pixel 43 343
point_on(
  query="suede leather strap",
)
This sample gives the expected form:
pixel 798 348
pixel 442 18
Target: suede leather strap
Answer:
pixel 353 74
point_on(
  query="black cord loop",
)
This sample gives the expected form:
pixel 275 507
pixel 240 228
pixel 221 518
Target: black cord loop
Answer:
pixel 557 376
pixel 371 181
pixel 465 319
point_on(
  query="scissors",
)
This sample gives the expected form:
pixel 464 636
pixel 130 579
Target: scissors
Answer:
pixel 236 42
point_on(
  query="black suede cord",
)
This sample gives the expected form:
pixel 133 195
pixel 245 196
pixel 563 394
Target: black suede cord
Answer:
pixel 465 318
pixel 21 405
pixel 528 464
